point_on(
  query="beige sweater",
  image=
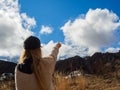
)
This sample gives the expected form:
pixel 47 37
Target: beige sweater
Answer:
pixel 25 81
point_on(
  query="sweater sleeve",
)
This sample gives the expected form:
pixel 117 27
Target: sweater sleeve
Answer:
pixel 54 52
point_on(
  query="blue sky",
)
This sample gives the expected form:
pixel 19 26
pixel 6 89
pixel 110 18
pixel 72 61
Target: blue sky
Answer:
pixel 82 27
pixel 55 13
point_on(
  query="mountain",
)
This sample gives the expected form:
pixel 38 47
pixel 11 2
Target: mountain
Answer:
pixel 99 63
pixel 70 64
pixel 7 67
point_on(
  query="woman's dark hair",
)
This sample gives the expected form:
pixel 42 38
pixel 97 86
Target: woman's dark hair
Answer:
pixel 31 43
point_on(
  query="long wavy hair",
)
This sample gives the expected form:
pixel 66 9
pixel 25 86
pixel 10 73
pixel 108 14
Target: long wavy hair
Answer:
pixel 36 55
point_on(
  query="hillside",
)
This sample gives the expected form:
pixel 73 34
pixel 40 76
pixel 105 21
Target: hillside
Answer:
pixel 7 67
pixel 99 63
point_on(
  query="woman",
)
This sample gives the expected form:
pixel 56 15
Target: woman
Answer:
pixel 33 71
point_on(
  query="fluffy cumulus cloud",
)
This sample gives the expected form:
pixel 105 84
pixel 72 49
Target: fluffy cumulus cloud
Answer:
pixel 64 52
pixel 88 34
pixel 47 48
pixel 70 51
pixel 111 49
pixel 94 30
pixel 46 30
pixel 14 28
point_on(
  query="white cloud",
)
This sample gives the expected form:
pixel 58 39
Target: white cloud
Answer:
pixel 64 52
pixel 14 28
pixel 95 30
pixel 70 51
pixel 46 30
pixel 87 35
pixel 27 21
pixel 47 48
pixel 113 50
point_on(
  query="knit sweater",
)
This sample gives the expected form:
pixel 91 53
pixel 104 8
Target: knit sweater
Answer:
pixel 24 81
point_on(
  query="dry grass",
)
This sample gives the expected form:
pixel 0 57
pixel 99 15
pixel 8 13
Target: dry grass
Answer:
pixel 76 83
pixel 101 83
pixel 7 85
pixel 87 83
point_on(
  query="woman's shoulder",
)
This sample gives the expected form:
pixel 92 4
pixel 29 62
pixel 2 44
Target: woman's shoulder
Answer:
pixel 24 68
pixel 48 58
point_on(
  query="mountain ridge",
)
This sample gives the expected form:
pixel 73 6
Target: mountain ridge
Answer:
pixel 98 63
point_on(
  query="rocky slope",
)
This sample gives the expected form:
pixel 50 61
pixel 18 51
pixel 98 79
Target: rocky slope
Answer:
pixel 99 63
pixel 7 67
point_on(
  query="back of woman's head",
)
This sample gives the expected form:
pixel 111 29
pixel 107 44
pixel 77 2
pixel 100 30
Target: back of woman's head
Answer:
pixel 31 49
pixel 32 43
